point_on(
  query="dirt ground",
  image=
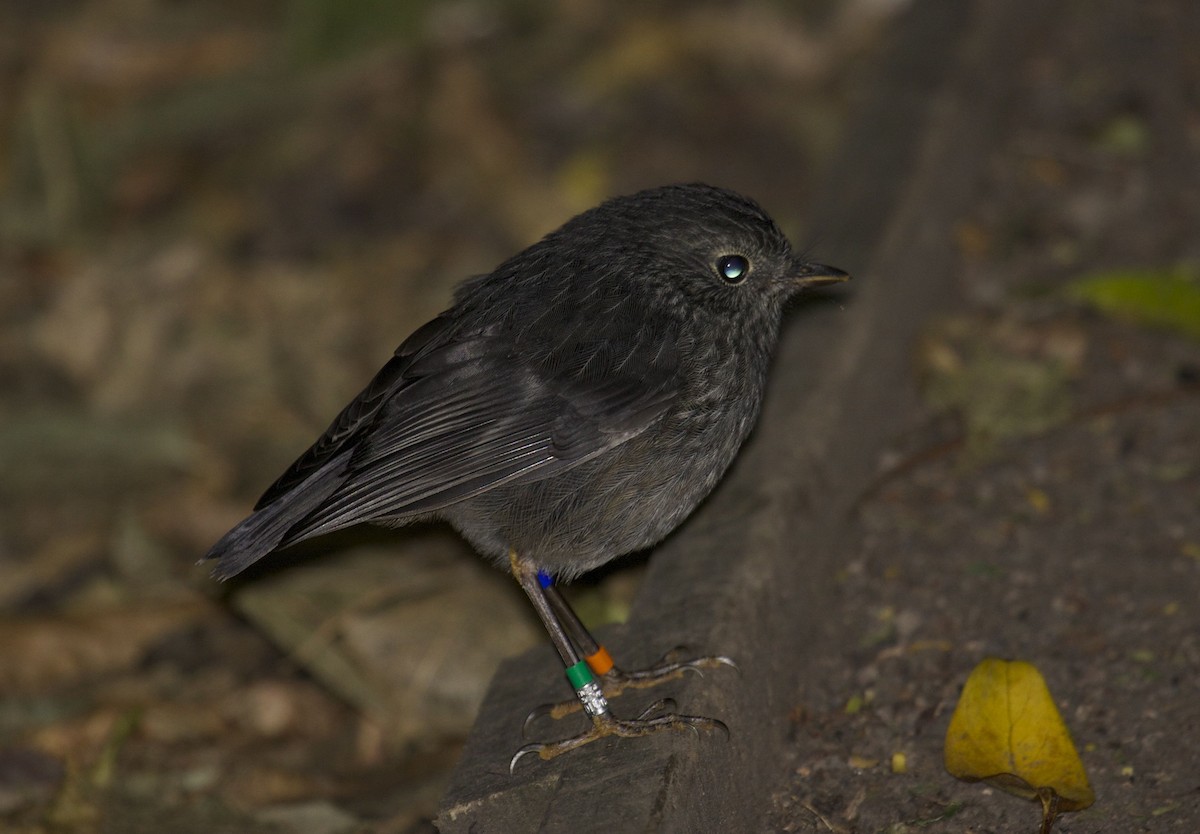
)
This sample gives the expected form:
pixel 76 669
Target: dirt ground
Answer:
pixel 216 220
pixel 1058 524
pixel 1074 549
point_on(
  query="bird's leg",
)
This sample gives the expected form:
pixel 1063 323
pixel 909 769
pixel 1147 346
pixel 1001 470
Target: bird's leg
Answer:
pixel 613 680
pixel 588 692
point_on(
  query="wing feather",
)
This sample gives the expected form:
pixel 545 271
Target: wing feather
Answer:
pixel 457 412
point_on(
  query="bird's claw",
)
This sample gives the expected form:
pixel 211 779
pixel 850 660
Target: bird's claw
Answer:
pixel 554 711
pixel 669 666
pixel 615 681
pixel 605 725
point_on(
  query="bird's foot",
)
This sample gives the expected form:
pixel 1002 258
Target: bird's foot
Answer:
pixel 669 667
pixel 604 725
pixel 616 680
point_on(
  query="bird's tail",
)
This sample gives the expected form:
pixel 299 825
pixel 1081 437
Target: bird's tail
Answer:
pixel 268 529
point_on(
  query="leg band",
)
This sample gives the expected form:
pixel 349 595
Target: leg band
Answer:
pixel 600 661
pixel 586 689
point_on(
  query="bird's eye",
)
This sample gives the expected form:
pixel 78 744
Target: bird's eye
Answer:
pixel 733 269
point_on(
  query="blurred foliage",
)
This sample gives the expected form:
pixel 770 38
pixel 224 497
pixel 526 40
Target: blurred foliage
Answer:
pixel 1005 378
pixel 323 30
pixel 219 219
pixel 1167 299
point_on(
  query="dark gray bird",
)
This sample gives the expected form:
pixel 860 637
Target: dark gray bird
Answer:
pixel 572 406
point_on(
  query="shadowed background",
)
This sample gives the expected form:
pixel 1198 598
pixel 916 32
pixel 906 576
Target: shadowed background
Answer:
pixel 216 221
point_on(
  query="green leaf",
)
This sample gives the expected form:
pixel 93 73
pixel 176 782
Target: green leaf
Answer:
pixel 1167 299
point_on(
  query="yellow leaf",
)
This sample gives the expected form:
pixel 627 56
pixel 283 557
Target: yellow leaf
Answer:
pixel 1006 731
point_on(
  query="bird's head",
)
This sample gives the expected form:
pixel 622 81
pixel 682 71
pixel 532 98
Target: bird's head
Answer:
pixel 705 247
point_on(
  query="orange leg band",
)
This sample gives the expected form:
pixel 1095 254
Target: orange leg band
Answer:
pixel 600 661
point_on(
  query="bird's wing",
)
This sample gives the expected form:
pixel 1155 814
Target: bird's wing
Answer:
pixel 457 412
pixel 466 413
pixel 362 410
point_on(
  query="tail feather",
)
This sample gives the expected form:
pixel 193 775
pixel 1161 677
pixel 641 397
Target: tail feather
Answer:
pixel 267 529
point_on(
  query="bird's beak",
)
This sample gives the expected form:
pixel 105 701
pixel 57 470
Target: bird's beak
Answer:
pixel 817 275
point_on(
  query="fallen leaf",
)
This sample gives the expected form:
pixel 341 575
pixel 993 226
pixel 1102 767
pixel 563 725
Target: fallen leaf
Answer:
pixel 1006 731
pixel 1166 298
